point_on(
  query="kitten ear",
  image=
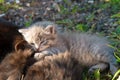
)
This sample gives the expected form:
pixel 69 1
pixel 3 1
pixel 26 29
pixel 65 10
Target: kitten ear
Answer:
pixel 50 29
pixel 23 31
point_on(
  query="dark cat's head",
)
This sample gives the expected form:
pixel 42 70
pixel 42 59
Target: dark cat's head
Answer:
pixel 40 38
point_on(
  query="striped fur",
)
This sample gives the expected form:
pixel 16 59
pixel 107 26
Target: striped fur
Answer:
pixel 90 50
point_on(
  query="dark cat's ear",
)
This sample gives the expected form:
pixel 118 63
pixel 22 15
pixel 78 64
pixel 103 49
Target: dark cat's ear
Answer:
pixel 50 29
pixel 20 45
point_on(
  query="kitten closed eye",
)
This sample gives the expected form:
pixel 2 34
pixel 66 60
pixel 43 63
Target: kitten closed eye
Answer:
pixel 43 42
pixel 32 44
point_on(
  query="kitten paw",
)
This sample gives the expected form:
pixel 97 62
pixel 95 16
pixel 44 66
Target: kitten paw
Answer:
pixel 41 55
pixel 92 70
pixel 101 66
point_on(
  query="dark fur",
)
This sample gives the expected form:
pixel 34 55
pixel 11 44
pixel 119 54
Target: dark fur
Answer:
pixel 9 36
pixel 11 68
pixel 56 67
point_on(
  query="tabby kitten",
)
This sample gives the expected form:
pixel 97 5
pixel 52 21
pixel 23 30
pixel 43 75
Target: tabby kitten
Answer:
pixel 90 50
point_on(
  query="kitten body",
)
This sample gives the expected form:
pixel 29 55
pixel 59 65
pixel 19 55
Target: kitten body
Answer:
pixel 90 50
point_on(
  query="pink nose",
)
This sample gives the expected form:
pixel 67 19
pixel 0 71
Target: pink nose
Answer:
pixel 39 48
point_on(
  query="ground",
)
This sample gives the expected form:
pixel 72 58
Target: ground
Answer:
pixel 95 16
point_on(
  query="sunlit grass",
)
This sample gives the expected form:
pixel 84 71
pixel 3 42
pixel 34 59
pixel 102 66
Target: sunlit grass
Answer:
pixel 114 5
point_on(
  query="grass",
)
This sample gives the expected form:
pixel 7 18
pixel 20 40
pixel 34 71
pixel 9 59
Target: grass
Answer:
pixel 71 24
pixel 114 36
pixel 5 7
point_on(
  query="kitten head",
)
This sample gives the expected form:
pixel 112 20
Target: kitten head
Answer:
pixel 40 38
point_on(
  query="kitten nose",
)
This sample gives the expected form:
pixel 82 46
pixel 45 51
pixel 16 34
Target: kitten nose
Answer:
pixel 37 47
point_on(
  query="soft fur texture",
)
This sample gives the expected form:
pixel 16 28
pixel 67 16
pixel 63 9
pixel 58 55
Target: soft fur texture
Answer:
pixel 11 68
pixel 57 67
pixel 9 37
pixel 90 50
pixel 32 35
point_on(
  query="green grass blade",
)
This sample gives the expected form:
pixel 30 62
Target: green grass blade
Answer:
pixel 116 74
